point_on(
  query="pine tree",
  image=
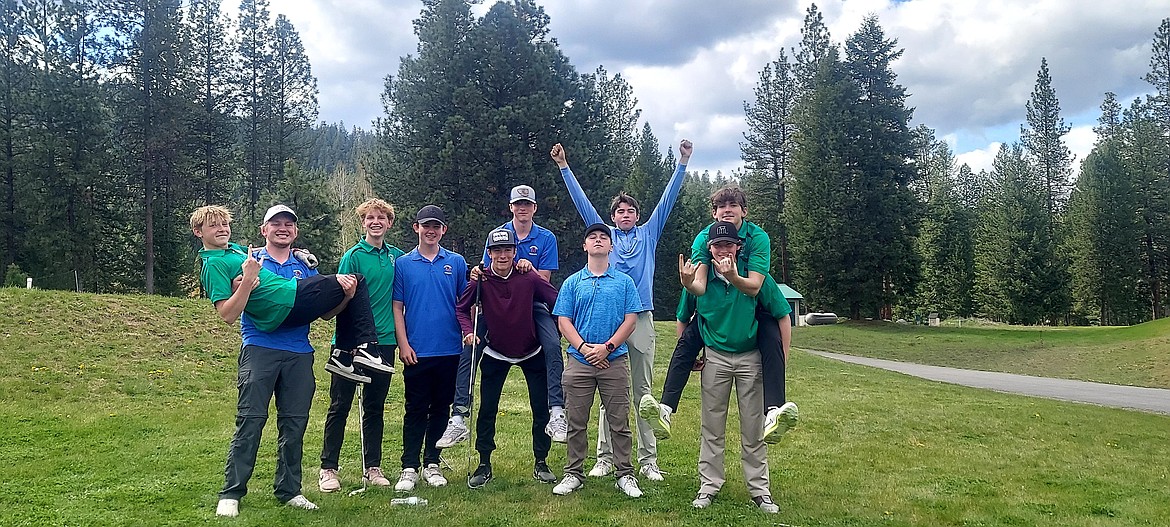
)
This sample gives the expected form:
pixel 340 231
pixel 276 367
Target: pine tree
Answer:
pixel 1104 222
pixel 884 146
pixel 14 81
pixel 293 90
pixel 1043 143
pixel 212 72
pixel 814 46
pixel 1159 78
pixel 254 35
pixel 1109 123
pixel 945 243
pixel 767 151
pixel 1142 155
pixel 318 213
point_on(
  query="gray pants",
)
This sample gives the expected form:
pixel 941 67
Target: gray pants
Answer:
pixel 265 372
pixel 641 345
pixel 721 372
pixel 580 382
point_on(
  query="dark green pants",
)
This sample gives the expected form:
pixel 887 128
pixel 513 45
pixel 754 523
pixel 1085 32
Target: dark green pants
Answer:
pixel 263 373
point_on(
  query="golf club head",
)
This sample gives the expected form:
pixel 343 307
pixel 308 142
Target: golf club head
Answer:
pixel 358 491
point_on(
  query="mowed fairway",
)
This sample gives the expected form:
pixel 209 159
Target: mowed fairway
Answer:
pixel 117 410
pixel 1134 355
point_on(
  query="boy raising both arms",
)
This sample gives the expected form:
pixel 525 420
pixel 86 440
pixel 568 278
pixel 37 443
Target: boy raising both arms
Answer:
pixel 598 308
pixel 374 259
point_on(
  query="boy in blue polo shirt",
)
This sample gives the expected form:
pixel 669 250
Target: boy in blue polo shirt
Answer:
pixel 536 249
pixel 634 246
pixel 427 284
pixel 598 309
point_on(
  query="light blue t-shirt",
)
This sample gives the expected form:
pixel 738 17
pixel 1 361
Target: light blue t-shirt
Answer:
pixel 428 291
pixel 294 339
pixel 633 250
pixel 597 305
pixel 539 248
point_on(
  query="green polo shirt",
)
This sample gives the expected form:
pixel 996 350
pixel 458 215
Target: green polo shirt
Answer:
pixel 729 316
pixel 769 296
pixel 377 265
pixel 755 255
pixel 268 304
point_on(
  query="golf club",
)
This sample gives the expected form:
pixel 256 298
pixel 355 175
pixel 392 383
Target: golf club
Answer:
pixel 474 366
pixel 361 436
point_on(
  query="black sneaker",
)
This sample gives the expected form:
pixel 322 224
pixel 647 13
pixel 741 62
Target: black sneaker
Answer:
pixel 482 475
pixel 367 356
pixel 541 473
pixel 340 363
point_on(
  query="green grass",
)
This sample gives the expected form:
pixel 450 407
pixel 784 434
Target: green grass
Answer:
pixel 1135 355
pixel 117 410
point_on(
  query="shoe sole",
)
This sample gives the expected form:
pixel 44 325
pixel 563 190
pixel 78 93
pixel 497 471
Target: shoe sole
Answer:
pixel 648 411
pixel 378 366
pixel 462 437
pixel 351 375
pixel 785 422
pixel 551 479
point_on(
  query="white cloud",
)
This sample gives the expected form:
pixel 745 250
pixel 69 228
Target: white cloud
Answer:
pixel 980 158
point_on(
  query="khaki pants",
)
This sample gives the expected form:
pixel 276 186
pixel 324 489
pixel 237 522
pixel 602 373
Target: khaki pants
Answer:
pixel 641 345
pixel 721 372
pixel 580 382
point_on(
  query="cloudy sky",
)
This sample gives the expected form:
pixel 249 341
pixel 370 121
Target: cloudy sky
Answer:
pixel 969 66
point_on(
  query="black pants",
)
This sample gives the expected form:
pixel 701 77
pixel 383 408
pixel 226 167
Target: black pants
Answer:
pixel 318 295
pixel 678 372
pixel 429 388
pixel 341 391
pixel 493 373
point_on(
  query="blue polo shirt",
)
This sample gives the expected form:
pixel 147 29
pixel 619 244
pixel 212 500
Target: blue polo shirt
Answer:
pixel 539 247
pixel 428 291
pixel 597 305
pixel 295 339
pixel 633 250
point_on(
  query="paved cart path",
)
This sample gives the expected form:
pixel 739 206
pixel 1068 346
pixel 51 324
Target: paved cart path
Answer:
pixel 1155 400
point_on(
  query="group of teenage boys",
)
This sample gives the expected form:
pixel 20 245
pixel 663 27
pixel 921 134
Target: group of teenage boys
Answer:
pixel 448 322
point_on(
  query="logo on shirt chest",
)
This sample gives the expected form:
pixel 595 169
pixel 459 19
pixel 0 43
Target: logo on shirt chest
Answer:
pixel 532 250
pixel 447 269
pixel 297 274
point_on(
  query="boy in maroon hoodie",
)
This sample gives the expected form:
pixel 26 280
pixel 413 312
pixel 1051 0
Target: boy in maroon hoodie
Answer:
pixel 509 338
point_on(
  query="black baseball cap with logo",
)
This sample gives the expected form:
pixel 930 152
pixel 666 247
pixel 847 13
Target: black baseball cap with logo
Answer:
pixel 501 238
pixel 723 231
pixel 598 227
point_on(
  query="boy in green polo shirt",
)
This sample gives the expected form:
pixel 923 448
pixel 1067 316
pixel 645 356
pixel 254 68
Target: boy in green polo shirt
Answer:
pixel 729 328
pixel 272 301
pixel 748 274
pixel 374 259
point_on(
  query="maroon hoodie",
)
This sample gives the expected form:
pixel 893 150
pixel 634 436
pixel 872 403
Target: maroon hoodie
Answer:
pixel 507 310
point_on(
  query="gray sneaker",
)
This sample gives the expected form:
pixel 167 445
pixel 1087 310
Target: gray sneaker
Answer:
pixel 766 504
pixel 455 433
pixel 541 473
pixel 702 501
pixel 629 485
pixel 558 428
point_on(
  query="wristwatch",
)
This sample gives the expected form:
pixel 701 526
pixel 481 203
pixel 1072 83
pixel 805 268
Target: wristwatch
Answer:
pixel 610 347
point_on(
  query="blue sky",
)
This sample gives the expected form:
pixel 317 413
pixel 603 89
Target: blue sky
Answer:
pixel 969 66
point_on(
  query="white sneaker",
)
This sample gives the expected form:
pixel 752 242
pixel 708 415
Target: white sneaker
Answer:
pixel 375 477
pixel 778 421
pixel 433 476
pixel 629 485
pixel 601 469
pixel 558 427
pixel 406 480
pixel 456 432
pixel 328 481
pixel 568 484
pixel 702 501
pixel 228 507
pixel 651 472
pixel 301 502
pixel 656 414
